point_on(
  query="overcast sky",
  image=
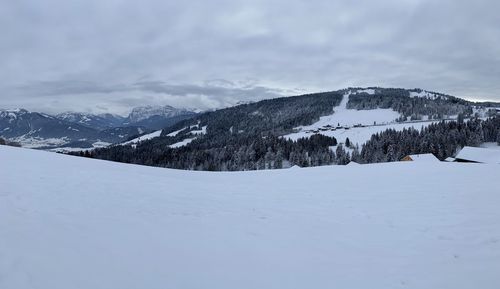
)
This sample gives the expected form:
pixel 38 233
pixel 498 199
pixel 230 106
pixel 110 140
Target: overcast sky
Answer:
pixel 111 55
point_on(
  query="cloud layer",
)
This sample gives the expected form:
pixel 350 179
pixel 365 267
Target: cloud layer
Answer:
pixel 110 55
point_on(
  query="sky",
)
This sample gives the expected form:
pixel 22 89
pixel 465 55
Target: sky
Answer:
pixel 111 55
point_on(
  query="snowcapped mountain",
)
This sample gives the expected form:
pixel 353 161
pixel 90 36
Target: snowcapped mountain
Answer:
pixel 157 117
pixel 40 130
pixel 99 121
pixel 83 130
pixel 144 112
pixel 150 117
pixel 20 122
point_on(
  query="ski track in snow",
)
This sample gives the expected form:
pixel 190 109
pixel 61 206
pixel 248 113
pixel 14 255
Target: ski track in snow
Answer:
pixel 69 222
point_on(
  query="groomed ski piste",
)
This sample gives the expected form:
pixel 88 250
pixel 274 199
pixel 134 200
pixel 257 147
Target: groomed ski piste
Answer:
pixel 357 125
pixel 70 222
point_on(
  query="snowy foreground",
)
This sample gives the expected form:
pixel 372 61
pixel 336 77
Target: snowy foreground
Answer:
pixel 68 222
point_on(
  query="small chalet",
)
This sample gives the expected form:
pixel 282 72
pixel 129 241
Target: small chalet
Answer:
pixel 478 155
pixel 420 158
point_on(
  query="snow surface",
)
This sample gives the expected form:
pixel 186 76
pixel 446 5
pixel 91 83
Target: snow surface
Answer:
pixel 182 143
pixel 366 90
pixel 384 119
pixel 425 94
pixel 482 155
pixel 143 138
pixel 69 222
pixel 186 141
pixel 174 133
pixel 201 131
pixel 351 117
pixel 360 135
pixel 490 145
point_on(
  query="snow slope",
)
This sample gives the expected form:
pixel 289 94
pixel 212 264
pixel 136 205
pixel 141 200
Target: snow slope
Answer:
pixel 69 222
pixel 383 118
pixel 182 143
pixel 143 138
pixel 351 117
pixel 186 141
pixel 360 135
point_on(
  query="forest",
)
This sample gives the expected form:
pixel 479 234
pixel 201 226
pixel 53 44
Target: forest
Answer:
pixel 244 152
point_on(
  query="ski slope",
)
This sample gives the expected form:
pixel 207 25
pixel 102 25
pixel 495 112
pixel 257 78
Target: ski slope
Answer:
pixel 360 135
pixel 349 117
pixel 373 121
pixel 143 138
pixel 69 222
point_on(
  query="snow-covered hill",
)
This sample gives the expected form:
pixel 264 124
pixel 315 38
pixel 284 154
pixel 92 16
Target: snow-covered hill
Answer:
pixel 34 129
pixel 156 117
pixel 43 131
pixel 357 125
pixel 70 222
pixel 74 130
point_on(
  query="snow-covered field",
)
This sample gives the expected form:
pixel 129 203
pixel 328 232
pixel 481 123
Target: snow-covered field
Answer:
pixel 383 118
pixel 69 222
pixel 360 135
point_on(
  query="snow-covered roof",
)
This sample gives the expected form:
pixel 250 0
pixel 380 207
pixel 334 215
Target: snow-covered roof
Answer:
pixel 449 159
pixel 424 158
pixel 480 155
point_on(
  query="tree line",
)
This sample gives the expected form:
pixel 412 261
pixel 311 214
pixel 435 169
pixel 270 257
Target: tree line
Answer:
pixel 243 152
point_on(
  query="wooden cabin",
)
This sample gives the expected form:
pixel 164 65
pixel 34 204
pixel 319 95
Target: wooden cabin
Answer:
pixel 420 158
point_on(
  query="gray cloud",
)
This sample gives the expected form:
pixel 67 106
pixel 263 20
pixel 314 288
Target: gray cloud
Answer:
pixel 52 96
pixel 110 55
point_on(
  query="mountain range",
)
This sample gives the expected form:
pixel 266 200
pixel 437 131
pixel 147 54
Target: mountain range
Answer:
pixel 83 130
pixel 301 130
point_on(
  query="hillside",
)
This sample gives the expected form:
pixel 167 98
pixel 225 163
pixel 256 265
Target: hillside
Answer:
pixel 70 222
pixel 72 131
pixel 312 130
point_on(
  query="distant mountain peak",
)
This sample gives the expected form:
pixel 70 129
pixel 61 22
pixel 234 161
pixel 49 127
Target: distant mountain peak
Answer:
pixel 99 121
pixel 144 112
pixel 15 110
